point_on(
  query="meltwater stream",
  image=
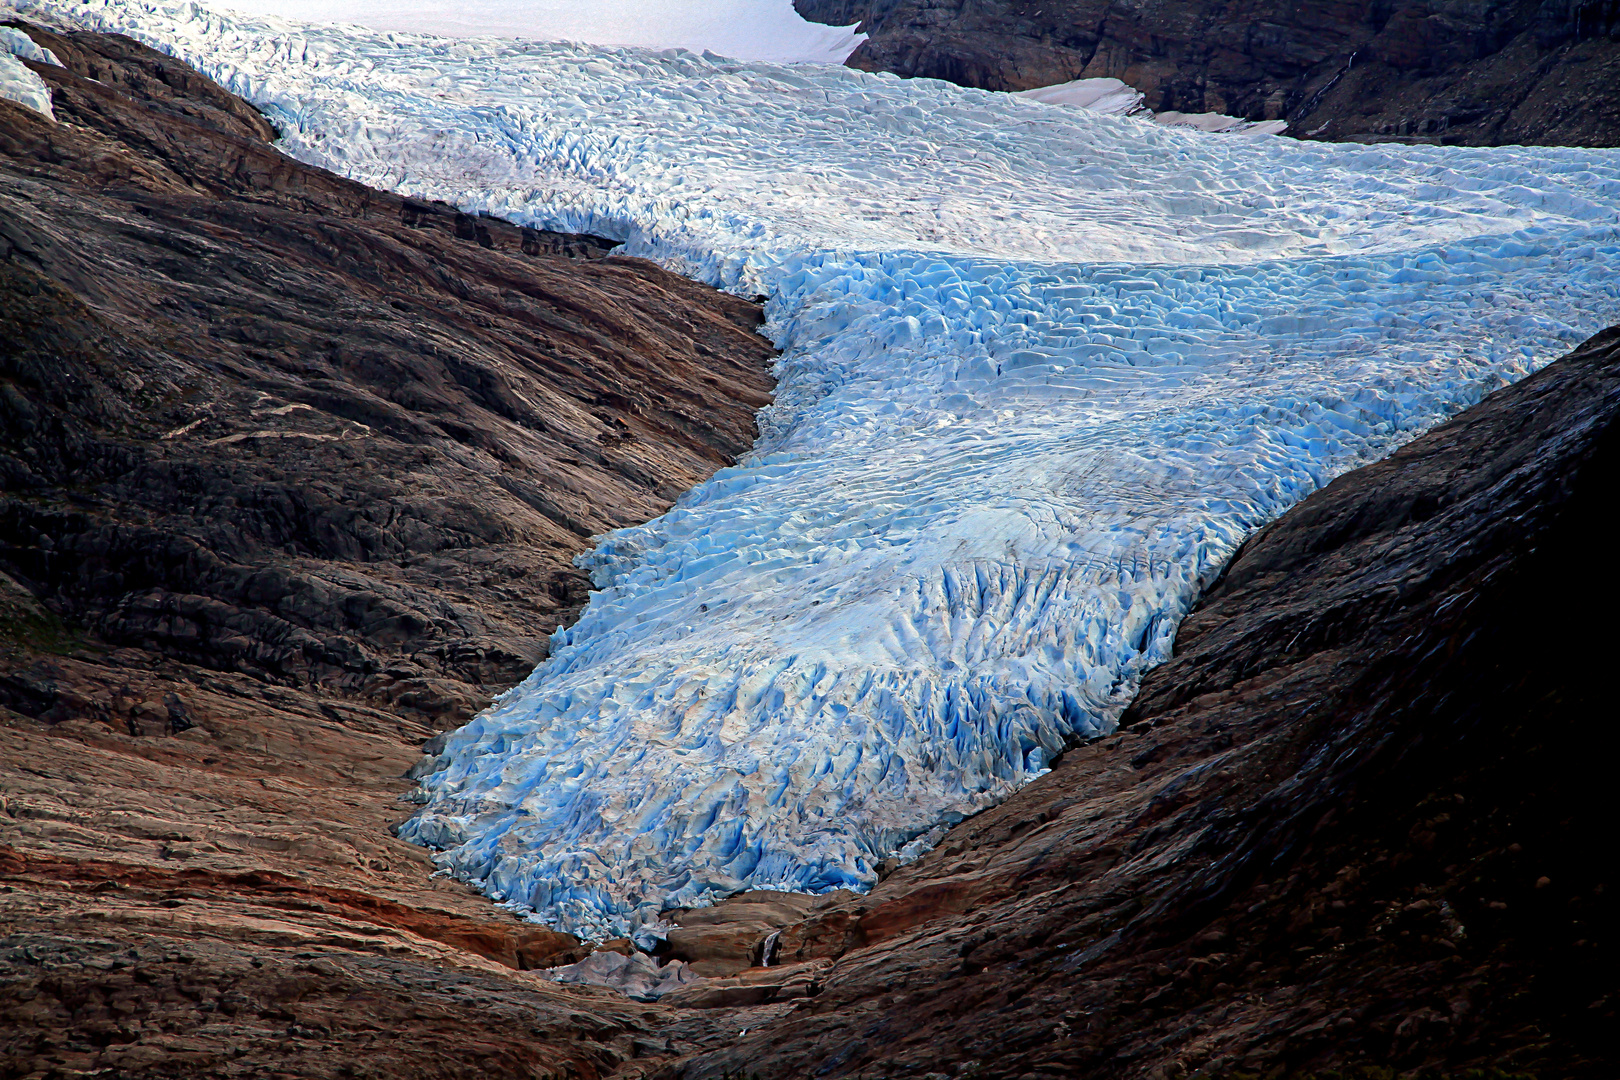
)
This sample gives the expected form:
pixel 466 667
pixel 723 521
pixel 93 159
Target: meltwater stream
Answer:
pixel 1043 370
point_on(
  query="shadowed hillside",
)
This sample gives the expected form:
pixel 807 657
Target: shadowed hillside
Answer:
pixel 1475 73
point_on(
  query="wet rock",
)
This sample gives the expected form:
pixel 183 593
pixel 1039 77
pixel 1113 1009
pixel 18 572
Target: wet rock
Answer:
pixel 739 933
pixel 758 986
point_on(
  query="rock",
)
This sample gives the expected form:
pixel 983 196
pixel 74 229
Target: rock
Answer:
pixel 292 474
pixel 1412 70
pixel 1362 717
pixel 759 986
pixel 731 936
pixel 636 975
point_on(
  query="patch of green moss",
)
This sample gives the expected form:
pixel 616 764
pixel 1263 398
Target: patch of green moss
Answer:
pixel 28 624
pixel 39 632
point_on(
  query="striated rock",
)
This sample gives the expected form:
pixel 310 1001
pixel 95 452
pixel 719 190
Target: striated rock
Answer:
pixel 741 932
pixel 292 473
pixel 1413 70
pixel 636 975
pixel 757 986
pixel 1351 826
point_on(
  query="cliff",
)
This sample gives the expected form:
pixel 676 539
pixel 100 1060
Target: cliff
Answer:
pixel 1354 825
pixel 1475 73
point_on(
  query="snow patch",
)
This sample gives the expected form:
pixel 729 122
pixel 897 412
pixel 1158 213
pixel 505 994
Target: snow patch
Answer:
pixel 1110 96
pixel 1220 123
pixel 1043 371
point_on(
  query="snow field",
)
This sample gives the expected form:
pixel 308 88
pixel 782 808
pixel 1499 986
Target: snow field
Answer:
pixel 1043 370
pixel 746 29
pixel 1113 97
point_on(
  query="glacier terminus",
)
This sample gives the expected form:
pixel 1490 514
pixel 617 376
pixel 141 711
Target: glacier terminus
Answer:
pixel 1042 371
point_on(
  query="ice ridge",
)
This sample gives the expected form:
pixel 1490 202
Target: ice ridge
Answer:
pixel 1043 370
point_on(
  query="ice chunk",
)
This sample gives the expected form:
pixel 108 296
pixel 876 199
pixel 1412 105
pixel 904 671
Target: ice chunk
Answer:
pixel 1098 95
pixel 1042 371
pixel 636 976
pixel 17 82
pixel 19 44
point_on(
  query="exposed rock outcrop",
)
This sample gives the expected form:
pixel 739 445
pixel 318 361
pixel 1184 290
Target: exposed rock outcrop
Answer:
pixel 1358 821
pixel 292 473
pixel 1477 73
pixel 743 933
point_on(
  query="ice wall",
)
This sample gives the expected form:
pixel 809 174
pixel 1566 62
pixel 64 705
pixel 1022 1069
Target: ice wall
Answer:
pixel 1043 371
pixel 17 83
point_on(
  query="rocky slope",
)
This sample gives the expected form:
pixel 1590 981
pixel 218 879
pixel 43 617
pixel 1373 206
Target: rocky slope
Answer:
pixel 1478 73
pixel 293 473
pixel 1359 821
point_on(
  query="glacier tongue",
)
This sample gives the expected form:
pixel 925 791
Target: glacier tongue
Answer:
pixel 1043 370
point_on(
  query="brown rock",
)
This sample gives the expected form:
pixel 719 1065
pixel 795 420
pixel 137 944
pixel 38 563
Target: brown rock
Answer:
pixel 757 986
pixel 292 473
pixel 731 936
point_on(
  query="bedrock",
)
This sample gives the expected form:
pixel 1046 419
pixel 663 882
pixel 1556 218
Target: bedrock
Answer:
pixel 1415 70
pixel 1352 823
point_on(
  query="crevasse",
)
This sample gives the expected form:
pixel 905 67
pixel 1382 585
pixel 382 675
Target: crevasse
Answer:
pixel 1042 371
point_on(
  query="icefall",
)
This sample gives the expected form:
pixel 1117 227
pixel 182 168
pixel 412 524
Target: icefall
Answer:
pixel 1042 371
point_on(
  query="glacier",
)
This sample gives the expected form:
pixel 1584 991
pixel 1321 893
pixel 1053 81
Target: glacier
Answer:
pixel 19 84
pixel 1113 97
pixel 1042 371
pixel 746 29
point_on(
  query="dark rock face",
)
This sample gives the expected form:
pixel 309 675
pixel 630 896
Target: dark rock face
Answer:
pixel 249 391
pixel 1479 73
pixel 1358 821
pixel 292 473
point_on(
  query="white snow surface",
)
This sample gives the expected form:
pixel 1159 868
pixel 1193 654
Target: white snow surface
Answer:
pixel 1043 370
pixel 17 83
pixel 744 29
pixel 1115 98
pixel 1220 123
pixel 1099 95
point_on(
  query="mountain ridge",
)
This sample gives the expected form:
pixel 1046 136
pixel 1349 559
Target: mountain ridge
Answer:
pixel 1474 73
